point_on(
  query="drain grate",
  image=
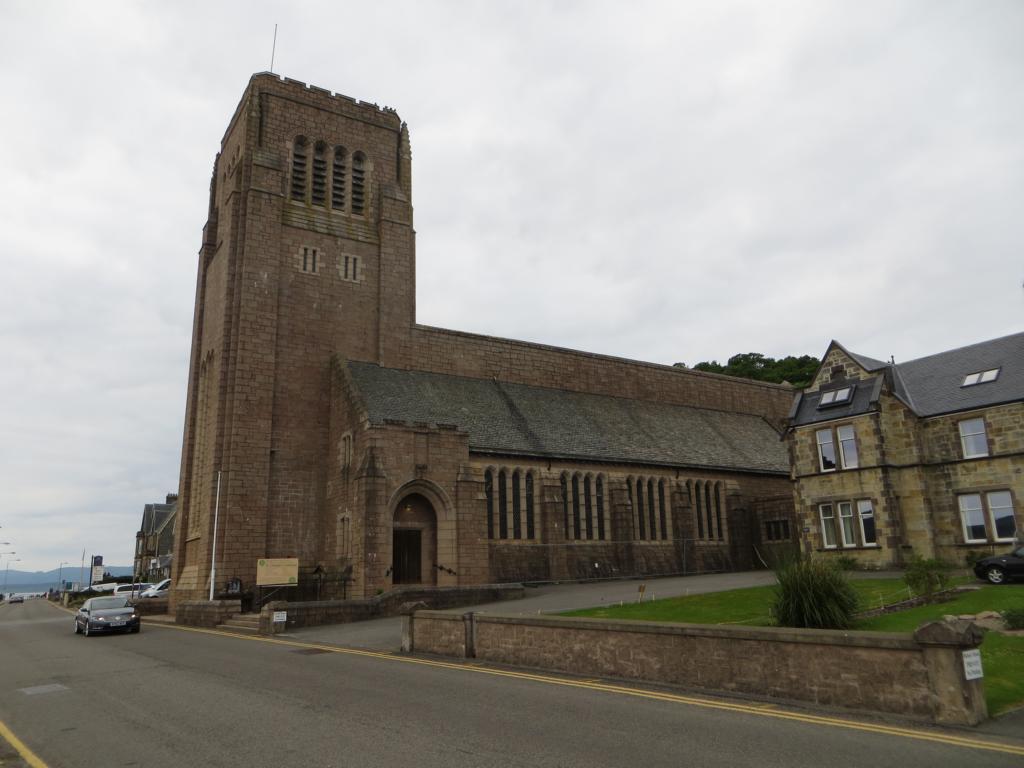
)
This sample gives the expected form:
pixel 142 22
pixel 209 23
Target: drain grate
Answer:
pixel 310 651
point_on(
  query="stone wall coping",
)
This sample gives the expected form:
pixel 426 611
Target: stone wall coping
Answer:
pixel 828 637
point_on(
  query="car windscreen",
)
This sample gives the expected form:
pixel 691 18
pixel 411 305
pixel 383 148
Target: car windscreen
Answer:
pixel 106 603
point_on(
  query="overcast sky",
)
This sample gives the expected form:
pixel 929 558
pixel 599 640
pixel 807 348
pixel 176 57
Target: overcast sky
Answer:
pixel 667 181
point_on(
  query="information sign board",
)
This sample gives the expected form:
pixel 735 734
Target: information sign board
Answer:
pixel 277 572
pixel 972 664
pixel 280 617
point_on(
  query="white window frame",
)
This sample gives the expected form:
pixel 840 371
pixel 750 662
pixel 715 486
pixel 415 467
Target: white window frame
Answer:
pixel 821 455
pixel 963 426
pixel 825 526
pixel 846 521
pixel 844 460
pixel 866 509
pixel 961 498
pixel 990 517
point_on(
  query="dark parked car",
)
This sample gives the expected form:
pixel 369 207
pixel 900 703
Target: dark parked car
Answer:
pixel 106 614
pixel 999 569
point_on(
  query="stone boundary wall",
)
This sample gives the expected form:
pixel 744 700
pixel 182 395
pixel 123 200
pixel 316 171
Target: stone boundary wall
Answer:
pixel 393 603
pixel 919 676
pixel 151 606
pixel 206 613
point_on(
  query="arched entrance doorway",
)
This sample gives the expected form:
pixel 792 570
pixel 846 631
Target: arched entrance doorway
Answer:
pixel 414 542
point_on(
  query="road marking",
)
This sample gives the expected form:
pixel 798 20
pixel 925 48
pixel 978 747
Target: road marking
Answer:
pixel 37 689
pixel 761 710
pixel 19 746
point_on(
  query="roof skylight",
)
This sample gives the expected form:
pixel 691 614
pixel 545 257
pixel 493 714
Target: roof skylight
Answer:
pixel 981 377
pixel 835 397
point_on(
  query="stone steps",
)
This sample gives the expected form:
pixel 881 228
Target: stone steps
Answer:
pixel 242 624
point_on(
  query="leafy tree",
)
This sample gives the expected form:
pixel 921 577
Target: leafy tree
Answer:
pixel 798 371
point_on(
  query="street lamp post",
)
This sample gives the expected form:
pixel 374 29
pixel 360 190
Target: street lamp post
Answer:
pixel 7 570
pixel 60 575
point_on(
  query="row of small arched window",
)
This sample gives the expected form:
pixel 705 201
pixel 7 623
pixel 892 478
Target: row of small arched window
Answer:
pixel 585 514
pixel 647 498
pixel 706 498
pixel 509 504
pixel 336 179
pixel 583 507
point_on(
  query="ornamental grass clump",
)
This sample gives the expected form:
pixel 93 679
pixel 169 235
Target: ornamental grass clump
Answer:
pixel 813 594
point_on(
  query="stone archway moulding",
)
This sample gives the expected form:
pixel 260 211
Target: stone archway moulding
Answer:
pixel 436 496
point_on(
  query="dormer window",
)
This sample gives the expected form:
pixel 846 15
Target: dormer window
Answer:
pixel 981 377
pixel 835 397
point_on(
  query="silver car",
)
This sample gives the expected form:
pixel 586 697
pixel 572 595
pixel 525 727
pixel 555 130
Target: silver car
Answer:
pixel 106 614
pixel 163 589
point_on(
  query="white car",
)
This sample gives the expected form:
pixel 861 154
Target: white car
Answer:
pixel 128 590
pixel 163 589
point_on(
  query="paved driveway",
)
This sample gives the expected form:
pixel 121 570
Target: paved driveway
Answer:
pixel 386 634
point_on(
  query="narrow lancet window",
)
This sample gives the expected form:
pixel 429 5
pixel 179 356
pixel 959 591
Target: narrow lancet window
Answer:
pixel 338 179
pixel 319 195
pixel 298 188
pixel 358 182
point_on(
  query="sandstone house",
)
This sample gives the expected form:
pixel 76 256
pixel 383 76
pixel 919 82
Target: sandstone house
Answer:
pixel 379 451
pixel 919 458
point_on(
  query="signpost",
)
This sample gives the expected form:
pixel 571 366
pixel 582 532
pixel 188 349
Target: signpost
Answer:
pixel 96 575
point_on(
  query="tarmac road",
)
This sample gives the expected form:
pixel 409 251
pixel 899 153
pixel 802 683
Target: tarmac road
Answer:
pixel 176 696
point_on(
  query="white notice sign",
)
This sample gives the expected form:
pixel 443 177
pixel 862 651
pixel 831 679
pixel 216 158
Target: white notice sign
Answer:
pixel 282 616
pixel 972 665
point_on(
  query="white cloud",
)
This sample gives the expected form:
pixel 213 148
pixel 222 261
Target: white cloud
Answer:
pixel 656 180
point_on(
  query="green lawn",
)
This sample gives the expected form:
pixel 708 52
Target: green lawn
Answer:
pixel 738 606
pixel 1002 655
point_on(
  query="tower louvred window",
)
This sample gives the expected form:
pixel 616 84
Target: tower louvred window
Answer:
pixel 298 187
pixel 319 195
pixel 358 182
pixel 338 179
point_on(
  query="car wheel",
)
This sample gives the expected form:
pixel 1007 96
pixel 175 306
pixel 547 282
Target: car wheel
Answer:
pixel 87 633
pixel 995 575
pixel 78 629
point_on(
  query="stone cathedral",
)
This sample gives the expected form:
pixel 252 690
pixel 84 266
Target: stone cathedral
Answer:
pixel 379 451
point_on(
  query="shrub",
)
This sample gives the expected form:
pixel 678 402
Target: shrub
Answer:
pixel 846 563
pixel 925 577
pixel 1014 618
pixel 814 594
pixel 973 556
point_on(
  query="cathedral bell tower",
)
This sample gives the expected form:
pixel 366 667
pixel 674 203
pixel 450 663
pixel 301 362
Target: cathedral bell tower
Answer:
pixel 308 253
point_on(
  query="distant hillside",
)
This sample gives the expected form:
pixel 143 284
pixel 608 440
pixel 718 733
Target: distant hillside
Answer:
pixel 14 578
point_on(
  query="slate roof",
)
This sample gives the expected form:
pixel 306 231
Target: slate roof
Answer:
pixel 930 385
pixel 154 516
pixel 865 394
pixel 933 382
pixel 516 419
